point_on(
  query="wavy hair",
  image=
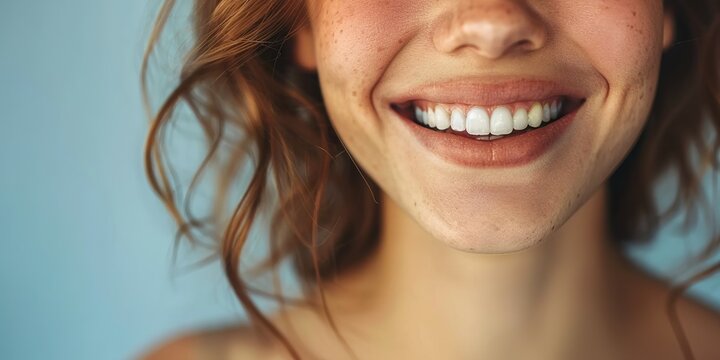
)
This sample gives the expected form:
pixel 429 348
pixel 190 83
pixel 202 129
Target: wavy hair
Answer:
pixel 254 104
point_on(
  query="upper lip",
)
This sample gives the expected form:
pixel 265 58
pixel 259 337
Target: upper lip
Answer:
pixel 485 92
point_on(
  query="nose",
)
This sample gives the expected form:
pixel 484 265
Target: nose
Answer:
pixel 491 28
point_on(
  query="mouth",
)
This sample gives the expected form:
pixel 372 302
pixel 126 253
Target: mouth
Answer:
pixel 488 126
pixel 487 123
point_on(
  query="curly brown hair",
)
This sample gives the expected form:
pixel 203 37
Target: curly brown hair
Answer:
pixel 245 91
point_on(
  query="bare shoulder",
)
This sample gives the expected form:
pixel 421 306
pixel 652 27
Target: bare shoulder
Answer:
pixel 224 343
pixel 701 322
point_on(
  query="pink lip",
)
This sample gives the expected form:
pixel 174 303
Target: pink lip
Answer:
pixel 512 150
pixel 487 93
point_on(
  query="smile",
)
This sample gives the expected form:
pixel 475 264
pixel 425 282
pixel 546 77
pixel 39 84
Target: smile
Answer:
pixel 503 128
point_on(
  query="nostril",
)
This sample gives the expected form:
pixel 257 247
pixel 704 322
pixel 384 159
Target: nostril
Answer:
pixel 523 44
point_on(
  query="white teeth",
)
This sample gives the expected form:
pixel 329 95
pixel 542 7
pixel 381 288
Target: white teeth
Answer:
pixel 457 120
pixel 501 122
pixel 535 115
pixel 520 119
pixel 431 118
pixel 478 122
pixel 442 118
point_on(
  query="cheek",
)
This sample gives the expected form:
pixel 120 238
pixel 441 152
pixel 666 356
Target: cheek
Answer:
pixel 358 38
pixel 622 38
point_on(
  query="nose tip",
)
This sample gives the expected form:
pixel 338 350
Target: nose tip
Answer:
pixel 490 28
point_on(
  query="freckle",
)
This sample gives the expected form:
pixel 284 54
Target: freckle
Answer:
pixel 634 13
pixel 354 93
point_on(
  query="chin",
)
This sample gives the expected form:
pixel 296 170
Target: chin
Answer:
pixel 482 241
pixel 489 237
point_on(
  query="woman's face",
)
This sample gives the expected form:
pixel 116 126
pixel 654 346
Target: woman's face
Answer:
pixel 488 67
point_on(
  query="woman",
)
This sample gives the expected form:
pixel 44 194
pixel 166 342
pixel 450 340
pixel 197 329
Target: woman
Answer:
pixel 447 173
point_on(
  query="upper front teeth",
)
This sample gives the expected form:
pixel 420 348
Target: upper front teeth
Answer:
pixel 442 118
pixel 457 120
pixel 480 121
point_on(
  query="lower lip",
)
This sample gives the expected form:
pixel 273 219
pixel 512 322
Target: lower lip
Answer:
pixel 515 150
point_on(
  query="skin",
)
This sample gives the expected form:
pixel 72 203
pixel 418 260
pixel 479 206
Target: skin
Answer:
pixel 488 263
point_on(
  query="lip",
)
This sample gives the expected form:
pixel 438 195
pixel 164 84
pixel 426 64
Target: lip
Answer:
pixel 515 149
pixel 484 92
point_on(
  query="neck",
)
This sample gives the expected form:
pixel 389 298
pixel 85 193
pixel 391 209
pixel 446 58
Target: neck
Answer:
pixel 422 297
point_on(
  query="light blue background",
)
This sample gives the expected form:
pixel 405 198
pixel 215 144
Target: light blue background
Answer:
pixel 86 247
